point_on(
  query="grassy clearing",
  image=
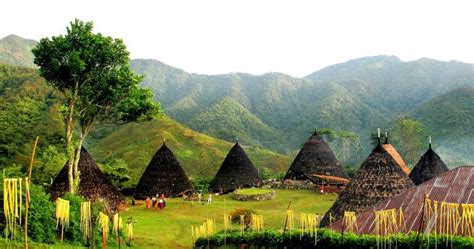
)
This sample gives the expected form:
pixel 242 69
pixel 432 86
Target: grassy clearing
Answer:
pixel 171 227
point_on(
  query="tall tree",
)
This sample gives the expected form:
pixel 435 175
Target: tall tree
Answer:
pixel 344 143
pixel 93 74
pixel 408 134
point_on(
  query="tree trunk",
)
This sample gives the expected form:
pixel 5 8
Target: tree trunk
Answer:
pixel 84 132
pixel 69 137
pixel 77 156
pixel 70 146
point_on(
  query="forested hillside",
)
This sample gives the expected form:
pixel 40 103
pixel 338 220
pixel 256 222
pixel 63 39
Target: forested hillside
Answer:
pixel 450 119
pixel 279 112
pixel 273 110
pixel 28 109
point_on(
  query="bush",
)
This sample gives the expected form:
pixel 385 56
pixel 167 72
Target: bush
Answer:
pixel 201 183
pixel 41 225
pixel 41 222
pixel 247 216
pixel 73 235
pixel 326 239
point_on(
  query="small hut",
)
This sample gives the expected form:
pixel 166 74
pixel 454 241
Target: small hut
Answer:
pixel 429 166
pixel 93 185
pixel 395 155
pixel 163 175
pixel 314 161
pixel 237 171
pixel 378 179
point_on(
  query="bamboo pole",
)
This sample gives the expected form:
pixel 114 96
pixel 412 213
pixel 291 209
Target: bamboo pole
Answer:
pixel 118 227
pixel 286 218
pixel 92 226
pixel 27 200
pixel 342 231
pixel 225 229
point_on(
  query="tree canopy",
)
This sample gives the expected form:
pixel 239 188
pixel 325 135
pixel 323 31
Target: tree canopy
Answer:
pixel 93 73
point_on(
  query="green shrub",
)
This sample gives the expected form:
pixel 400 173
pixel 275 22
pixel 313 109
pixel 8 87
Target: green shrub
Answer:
pixel 247 213
pixel 73 235
pixel 201 183
pixel 41 222
pixel 327 239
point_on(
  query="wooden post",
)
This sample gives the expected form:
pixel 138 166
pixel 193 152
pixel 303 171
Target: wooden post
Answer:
pixel 207 230
pixel 104 240
pixel 342 231
pixel 286 217
pixel 118 227
pixel 27 195
pixel 92 227
pixel 225 229
pixel 62 233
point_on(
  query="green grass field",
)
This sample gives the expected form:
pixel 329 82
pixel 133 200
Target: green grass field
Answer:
pixel 171 227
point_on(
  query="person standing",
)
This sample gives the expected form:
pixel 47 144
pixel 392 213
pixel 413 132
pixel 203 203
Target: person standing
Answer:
pixel 161 203
pixel 147 202
pixel 162 197
pixel 200 198
pixel 209 198
pixel 154 202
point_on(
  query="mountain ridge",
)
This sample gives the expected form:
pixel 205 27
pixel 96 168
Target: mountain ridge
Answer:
pixel 16 50
pixel 278 111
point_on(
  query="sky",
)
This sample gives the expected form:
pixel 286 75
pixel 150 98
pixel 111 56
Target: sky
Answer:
pixel 259 36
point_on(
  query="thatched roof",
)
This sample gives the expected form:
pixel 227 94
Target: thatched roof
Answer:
pixel 378 179
pixel 396 156
pixel 93 185
pixel 429 166
pixel 237 171
pixel 455 186
pixel 163 175
pixel 315 158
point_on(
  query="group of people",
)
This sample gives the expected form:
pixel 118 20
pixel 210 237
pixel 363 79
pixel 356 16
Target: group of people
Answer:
pixel 155 202
pixel 209 198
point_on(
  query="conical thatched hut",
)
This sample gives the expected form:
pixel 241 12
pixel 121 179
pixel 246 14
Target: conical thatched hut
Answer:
pixel 378 178
pixel 93 185
pixel 429 166
pixel 164 175
pixel 396 156
pixel 454 186
pixel 315 159
pixel 237 171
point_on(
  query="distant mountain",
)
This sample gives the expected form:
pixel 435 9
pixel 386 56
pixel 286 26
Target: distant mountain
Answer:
pixel 396 86
pixel 15 50
pixel 273 110
pixel 450 120
pixel 279 112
